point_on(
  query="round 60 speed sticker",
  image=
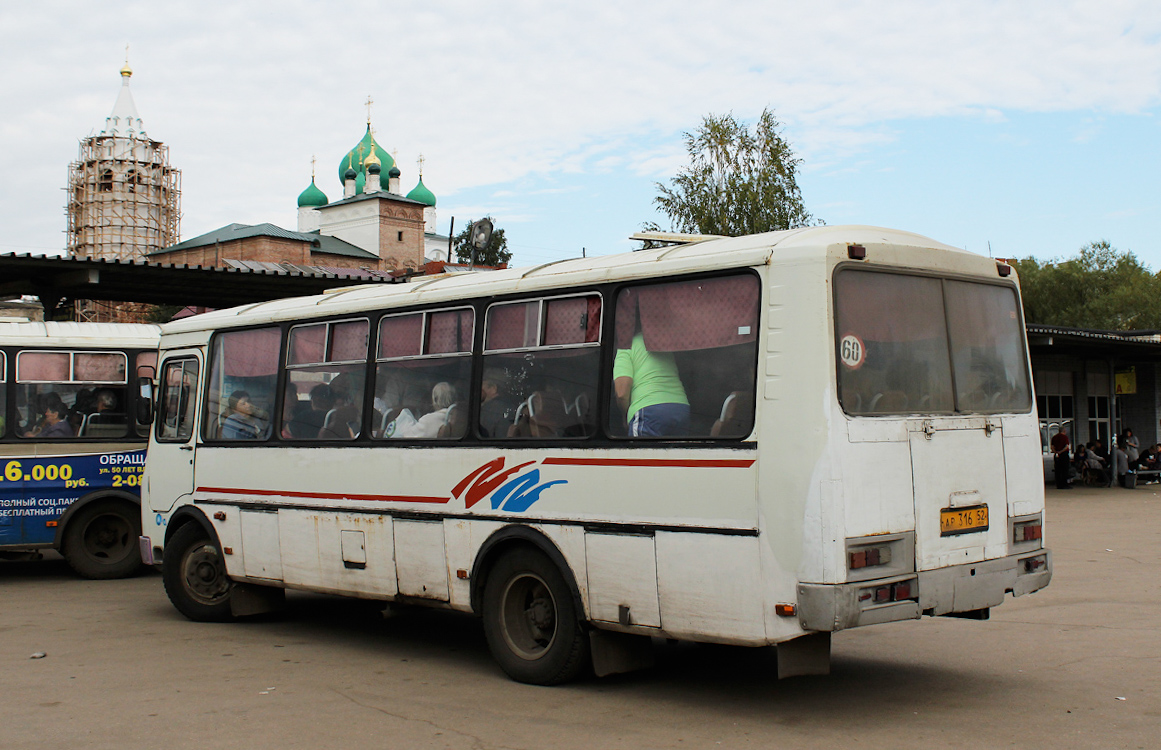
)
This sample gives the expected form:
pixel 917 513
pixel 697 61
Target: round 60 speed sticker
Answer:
pixel 852 351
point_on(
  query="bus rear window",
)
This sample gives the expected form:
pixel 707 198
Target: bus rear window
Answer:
pixel 921 345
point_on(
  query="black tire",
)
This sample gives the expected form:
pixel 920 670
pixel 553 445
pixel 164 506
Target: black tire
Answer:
pixel 195 575
pixel 100 541
pixel 531 620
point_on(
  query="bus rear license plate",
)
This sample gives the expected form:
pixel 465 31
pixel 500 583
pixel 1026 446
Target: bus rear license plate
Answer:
pixel 954 521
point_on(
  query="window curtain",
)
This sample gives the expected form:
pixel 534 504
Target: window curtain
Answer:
pixel 349 341
pixel 45 367
pixel 400 335
pixel 513 326
pixel 307 344
pixel 449 331
pixel 689 315
pixel 574 320
pixel 250 354
pixel 103 367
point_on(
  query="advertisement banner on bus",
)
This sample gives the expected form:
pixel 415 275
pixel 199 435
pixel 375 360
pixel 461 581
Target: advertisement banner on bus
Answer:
pixel 35 492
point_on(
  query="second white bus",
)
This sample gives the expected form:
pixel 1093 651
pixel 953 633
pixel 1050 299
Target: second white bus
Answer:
pixel 756 441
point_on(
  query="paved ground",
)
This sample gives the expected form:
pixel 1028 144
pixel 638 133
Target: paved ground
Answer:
pixel 1075 666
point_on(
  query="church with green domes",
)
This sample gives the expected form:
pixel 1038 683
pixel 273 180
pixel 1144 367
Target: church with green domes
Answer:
pixel 373 226
pixel 373 213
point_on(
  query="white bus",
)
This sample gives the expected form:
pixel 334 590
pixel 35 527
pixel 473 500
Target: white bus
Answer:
pixel 71 450
pixel 757 441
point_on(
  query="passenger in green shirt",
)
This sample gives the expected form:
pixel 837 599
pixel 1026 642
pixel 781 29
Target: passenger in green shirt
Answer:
pixel 649 391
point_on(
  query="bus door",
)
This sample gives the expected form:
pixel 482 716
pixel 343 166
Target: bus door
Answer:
pixel 169 466
pixel 961 502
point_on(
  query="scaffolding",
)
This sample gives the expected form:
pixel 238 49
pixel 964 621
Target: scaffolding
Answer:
pixel 124 199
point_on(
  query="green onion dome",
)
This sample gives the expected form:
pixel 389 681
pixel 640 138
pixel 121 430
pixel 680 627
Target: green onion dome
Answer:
pixel 312 196
pixel 356 159
pixel 422 194
pixel 393 172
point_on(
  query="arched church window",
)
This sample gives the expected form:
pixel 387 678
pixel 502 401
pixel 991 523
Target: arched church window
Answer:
pixel 132 180
pixel 105 184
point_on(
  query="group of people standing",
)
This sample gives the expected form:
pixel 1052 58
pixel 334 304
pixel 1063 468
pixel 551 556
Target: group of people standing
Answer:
pixel 1095 460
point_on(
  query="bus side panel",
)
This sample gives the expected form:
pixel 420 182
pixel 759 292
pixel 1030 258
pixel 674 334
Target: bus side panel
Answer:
pixel 321 551
pixel 709 583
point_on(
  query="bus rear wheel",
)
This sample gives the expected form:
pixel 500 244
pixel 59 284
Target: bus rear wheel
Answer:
pixel 195 575
pixel 100 541
pixel 531 621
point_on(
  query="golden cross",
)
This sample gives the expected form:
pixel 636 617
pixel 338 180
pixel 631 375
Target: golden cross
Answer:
pixel 312 167
pixel 420 161
pixel 370 101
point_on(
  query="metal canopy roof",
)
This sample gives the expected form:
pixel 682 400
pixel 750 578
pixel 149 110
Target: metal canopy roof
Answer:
pixel 1141 345
pixel 53 278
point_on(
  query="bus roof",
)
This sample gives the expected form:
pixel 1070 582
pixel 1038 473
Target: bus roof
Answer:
pixel 95 335
pixel 730 252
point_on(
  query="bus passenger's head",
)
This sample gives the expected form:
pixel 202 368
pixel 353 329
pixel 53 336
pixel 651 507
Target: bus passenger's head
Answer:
pixel 53 408
pixel 493 383
pixel 443 395
pixel 240 402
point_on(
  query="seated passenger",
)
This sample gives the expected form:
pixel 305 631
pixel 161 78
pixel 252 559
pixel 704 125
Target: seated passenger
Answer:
pixel 344 420
pixel 496 408
pixel 243 423
pixel 307 423
pixel 649 391
pixel 403 417
pixel 53 423
pixel 443 395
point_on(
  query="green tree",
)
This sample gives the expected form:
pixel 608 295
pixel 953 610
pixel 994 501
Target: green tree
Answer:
pixel 495 254
pixel 737 182
pixel 1101 288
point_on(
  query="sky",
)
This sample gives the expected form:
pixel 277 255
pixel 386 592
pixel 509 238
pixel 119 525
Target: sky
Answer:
pixel 1007 128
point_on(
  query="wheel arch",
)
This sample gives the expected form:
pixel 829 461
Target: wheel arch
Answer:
pixel 512 537
pixel 189 514
pixel 96 496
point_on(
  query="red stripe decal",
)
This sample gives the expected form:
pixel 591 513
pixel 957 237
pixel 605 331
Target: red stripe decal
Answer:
pixel 327 495
pixel 687 463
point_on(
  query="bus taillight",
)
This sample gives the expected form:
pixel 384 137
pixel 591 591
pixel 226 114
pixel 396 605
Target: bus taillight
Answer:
pixel 1028 532
pixel 867 557
pixel 888 592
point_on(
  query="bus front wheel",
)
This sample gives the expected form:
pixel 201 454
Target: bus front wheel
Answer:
pixel 101 540
pixel 195 575
pixel 531 622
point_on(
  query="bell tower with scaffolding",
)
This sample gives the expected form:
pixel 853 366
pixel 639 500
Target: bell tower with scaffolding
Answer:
pixel 124 199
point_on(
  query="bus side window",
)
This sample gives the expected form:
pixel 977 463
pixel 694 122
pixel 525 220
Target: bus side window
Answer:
pixel 326 365
pixel 67 394
pixel 541 367
pixel 243 373
pixel 423 375
pixel 686 358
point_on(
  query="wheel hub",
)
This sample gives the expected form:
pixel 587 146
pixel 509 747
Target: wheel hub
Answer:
pixel 205 579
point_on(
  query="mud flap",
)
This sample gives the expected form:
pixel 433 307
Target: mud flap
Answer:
pixel 615 653
pixel 247 599
pixel 805 655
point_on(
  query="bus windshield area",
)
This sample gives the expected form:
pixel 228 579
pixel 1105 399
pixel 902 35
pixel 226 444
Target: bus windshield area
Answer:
pixel 918 345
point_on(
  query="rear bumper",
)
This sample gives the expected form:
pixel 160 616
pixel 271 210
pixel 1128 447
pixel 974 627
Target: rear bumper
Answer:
pixel 960 588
